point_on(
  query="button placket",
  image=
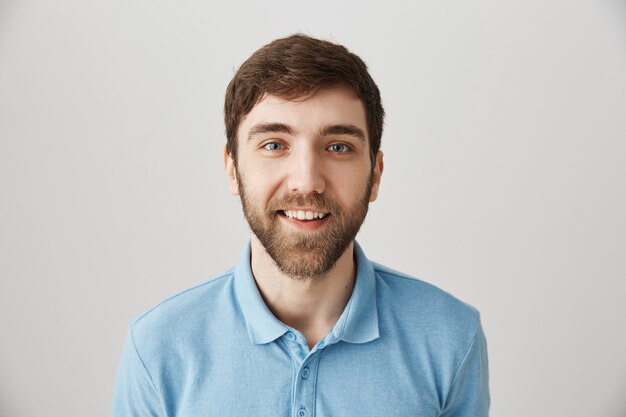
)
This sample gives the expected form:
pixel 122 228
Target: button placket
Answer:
pixel 305 385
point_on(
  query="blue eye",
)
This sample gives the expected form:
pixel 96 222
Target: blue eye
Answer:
pixel 338 148
pixel 273 146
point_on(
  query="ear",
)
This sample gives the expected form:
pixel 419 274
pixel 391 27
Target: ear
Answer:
pixel 378 173
pixel 231 173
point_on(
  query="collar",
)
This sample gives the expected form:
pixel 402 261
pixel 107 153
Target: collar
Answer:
pixel 357 324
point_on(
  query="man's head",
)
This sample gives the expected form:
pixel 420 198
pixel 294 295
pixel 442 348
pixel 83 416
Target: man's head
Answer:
pixel 300 154
pixel 295 68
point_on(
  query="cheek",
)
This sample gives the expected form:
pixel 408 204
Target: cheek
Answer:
pixel 350 189
pixel 259 188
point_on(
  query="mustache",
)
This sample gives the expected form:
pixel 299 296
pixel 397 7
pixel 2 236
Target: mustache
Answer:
pixel 317 201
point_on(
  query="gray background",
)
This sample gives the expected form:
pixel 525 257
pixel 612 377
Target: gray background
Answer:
pixel 504 180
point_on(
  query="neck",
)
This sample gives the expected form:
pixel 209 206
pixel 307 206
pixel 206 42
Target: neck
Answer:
pixel 312 305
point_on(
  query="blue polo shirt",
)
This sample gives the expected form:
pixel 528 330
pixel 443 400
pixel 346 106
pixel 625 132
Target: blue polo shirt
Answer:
pixel 401 348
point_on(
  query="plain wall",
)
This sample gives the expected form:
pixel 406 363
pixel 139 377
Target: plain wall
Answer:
pixel 504 183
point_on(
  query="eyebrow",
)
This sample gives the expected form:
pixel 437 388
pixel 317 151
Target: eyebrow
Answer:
pixel 343 130
pixel 349 130
pixel 270 128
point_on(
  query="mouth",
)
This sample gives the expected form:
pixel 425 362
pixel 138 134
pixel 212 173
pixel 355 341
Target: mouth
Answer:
pixel 305 220
pixel 304 215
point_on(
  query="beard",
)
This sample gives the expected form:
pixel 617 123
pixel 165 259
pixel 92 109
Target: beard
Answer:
pixel 310 254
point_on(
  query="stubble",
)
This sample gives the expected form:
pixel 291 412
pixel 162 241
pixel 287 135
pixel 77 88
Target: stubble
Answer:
pixel 306 254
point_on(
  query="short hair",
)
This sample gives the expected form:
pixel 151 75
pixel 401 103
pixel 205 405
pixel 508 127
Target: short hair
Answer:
pixel 296 67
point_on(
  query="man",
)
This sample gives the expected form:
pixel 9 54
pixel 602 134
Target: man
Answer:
pixel 305 325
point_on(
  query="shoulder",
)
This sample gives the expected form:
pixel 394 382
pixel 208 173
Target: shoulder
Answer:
pixel 424 306
pixel 186 310
pixel 440 336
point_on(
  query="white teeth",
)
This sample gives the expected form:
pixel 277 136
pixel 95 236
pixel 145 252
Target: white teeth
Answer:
pixel 304 215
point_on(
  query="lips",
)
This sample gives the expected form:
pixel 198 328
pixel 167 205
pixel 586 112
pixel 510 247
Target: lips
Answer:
pixel 305 214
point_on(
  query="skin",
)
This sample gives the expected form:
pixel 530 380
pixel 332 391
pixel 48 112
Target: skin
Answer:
pixel 305 160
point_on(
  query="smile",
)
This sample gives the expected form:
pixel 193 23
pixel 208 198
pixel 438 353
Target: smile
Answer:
pixel 304 214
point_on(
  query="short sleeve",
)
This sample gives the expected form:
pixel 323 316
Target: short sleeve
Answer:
pixel 469 392
pixel 135 394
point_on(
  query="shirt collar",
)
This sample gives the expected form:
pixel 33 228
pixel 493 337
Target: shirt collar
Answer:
pixel 357 324
pixel 359 321
pixel 263 326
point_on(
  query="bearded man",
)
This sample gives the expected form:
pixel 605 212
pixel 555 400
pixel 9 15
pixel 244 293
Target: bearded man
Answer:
pixel 305 325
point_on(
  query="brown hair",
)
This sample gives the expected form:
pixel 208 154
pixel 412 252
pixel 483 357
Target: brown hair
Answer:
pixel 296 67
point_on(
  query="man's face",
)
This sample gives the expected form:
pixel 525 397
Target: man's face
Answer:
pixel 305 177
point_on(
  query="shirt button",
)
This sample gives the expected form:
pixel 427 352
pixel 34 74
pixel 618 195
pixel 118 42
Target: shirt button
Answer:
pixel 291 336
pixel 305 373
pixel 302 412
pixel 321 345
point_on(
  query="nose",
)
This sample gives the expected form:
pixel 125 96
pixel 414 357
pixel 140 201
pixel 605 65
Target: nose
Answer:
pixel 306 173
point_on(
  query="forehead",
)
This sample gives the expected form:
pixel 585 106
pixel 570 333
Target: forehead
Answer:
pixel 338 105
